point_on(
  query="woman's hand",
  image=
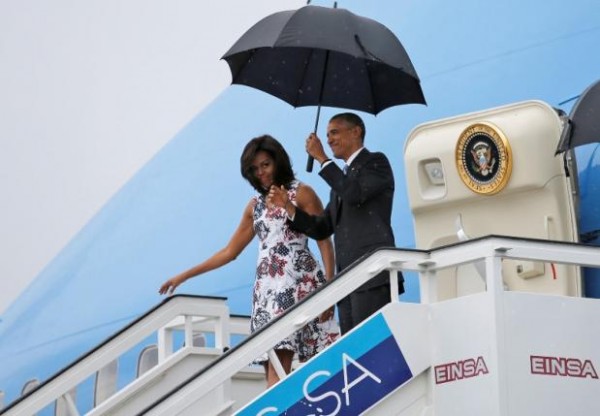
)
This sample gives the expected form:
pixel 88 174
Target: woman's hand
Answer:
pixel 327 315
pixel 278 197
pixel 169 286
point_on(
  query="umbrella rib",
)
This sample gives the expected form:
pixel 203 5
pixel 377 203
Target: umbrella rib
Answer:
pixel 364 50
pixel 367 66
pixel 304 72
pixel 274 64
pixel 325 65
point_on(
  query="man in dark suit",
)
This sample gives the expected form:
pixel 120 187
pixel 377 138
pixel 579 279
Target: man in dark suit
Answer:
pixel 358 213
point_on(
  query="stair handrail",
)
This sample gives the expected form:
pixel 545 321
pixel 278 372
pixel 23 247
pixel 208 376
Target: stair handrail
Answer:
pixel 425 262
pixel 113 347
pixel 223 368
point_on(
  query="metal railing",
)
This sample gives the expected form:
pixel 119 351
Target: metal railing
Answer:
pixel 212 312
pixel 427 263
pixel 180 312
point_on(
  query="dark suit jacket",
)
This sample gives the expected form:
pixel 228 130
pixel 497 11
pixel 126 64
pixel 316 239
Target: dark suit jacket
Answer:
pixel 358 213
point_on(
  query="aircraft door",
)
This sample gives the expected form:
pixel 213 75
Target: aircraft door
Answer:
pixel 493 172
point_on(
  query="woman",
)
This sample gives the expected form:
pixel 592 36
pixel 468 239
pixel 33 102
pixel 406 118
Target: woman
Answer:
pixel 286 269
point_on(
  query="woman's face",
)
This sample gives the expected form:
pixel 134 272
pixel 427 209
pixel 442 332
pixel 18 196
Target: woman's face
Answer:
pixel 263 168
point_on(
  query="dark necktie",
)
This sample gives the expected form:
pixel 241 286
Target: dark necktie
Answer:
pixel 346 169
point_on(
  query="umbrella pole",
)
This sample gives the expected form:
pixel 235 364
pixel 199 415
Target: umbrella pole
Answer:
pixel 311 160
pixel 317 120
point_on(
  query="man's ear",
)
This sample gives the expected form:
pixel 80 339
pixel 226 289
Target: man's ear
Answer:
pixel 358 133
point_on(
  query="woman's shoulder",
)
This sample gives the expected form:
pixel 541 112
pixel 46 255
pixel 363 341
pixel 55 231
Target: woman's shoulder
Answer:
pixel 299 186
pixel 255 200
pixel 305 190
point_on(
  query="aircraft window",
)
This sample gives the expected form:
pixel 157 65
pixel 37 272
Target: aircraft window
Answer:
pixel 61 407
pixel 148 358
pixel 106 382
pixel 30 385
pixel 198 340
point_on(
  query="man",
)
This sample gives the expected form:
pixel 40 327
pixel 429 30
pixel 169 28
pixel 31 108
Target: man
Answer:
pixel 358 213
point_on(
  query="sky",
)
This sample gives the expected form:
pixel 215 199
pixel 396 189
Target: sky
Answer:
pixel 89 92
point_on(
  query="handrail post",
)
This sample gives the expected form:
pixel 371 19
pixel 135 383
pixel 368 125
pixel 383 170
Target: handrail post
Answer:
pixel 71 408
pixel 189 331
pixel 222 331
pixel 394 286
pixel 495 289
pixel 165 343
pixel 428 282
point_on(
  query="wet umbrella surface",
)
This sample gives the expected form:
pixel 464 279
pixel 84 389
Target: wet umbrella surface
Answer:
pixel 325 56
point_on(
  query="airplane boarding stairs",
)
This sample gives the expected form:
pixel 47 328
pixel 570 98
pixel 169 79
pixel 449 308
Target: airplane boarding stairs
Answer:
pixel 496 352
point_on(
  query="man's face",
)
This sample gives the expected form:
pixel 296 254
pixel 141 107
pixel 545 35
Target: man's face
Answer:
pixel 343 138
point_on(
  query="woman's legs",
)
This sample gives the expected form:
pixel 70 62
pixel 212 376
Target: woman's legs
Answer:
pixel 285 358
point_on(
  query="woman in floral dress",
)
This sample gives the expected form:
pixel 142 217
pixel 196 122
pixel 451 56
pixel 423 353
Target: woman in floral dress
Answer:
pixel 286 269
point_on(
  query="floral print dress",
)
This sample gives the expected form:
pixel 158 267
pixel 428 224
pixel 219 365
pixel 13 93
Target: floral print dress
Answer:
pixel 286 272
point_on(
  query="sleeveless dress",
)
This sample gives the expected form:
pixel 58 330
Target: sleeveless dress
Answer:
pixel 286 272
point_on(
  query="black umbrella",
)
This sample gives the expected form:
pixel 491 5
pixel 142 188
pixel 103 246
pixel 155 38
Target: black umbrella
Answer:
pixel 325 56
pixel 583 125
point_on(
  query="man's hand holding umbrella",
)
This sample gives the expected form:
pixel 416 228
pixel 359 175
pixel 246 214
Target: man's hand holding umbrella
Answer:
pixel 314 148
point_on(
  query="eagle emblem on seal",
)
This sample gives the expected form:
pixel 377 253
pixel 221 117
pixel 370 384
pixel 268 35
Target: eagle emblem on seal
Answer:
pixel 483 161
pixel 483 158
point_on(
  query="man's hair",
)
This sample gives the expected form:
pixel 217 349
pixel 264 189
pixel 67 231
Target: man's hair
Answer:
pixel 283 173
pixel 354 120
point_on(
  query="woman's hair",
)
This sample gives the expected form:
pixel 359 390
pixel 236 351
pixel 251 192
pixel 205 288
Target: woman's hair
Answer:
pixel 283 173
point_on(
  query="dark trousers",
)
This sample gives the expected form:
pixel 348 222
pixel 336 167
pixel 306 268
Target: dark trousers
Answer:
pixel 358 306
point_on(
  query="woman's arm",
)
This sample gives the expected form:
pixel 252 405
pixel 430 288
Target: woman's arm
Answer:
pixel 239 240
pixel 317 227
pixel 308 201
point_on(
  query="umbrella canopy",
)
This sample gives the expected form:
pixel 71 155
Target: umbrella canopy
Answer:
pixel 584 121
pixel 325 56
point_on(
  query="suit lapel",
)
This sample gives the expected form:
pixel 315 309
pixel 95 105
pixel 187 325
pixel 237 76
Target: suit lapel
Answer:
pixel 358 162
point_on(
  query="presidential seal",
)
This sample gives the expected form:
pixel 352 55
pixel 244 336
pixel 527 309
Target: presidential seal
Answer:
pixel 483 158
